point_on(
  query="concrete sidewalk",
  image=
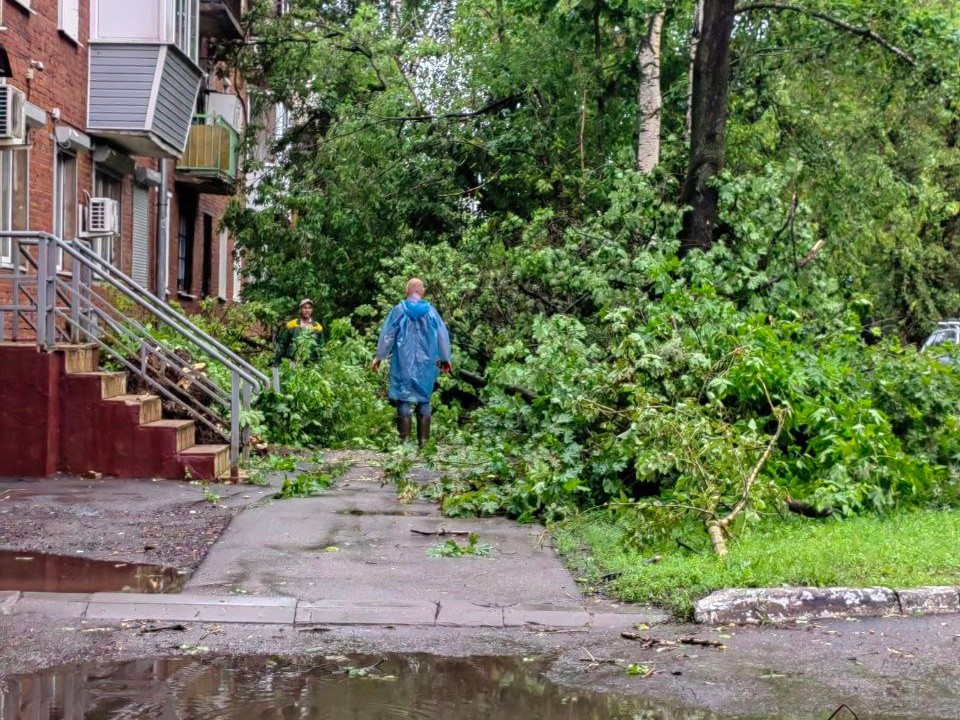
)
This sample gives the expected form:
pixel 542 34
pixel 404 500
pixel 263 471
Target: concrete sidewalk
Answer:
pixel 357 555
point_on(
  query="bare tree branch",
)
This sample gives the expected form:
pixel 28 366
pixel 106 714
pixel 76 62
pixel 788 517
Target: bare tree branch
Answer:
pixel 836 22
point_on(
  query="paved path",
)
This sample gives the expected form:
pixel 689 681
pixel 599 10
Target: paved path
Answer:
pixel 349 557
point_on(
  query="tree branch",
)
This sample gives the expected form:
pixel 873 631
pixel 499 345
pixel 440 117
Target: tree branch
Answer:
pixel 866 33
pixel 487 109
pixel 809 258
pixel 717 528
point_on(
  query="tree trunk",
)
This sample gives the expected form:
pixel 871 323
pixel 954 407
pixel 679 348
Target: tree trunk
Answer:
pixel 649 100
pixel 694 41
pixel 708 123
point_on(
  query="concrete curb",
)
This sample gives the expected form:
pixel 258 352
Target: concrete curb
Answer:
pixel 448 612
pixel 781 605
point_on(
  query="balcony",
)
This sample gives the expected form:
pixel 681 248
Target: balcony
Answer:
pixel 209 163
pixel 142 96
pixel 221 19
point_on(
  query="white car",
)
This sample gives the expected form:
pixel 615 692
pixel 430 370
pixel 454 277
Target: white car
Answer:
pixel 947 333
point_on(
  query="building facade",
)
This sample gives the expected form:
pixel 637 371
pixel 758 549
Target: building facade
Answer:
pixel 114 114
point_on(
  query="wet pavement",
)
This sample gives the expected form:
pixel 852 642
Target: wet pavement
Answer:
pixel 317 563
pixel 361 687
pixel 357 551
pixel 42 572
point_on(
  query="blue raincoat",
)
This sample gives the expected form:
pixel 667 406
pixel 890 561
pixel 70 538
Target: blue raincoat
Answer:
pixel 414 337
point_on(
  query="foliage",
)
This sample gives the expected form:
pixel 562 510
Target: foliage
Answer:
pixel 677 398
pixel 329 403
pixel 305 484
pixel 900 550
pixel 488 147
pixel 451 548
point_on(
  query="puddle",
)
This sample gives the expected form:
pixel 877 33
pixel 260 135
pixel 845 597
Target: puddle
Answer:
pixel 422 687
pixel 39 572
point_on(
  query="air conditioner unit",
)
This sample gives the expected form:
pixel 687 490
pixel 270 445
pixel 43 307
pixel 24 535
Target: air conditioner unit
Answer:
pixel 12 114
pixel 103 216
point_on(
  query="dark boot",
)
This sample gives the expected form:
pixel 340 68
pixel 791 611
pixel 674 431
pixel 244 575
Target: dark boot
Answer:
pixel 423 430
pixel 403 427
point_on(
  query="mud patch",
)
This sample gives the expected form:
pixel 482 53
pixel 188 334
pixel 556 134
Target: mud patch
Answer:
pixel 40 572
pixel 360 687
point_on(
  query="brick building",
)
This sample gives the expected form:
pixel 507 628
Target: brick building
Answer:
pixel 121 100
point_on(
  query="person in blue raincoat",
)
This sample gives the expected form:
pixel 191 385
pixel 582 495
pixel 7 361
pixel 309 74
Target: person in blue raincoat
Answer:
pixel 415 339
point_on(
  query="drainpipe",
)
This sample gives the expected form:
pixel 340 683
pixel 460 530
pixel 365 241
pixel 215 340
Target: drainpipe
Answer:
pixel 163 232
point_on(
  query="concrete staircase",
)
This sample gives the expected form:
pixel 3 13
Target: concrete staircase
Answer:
pixel 92 424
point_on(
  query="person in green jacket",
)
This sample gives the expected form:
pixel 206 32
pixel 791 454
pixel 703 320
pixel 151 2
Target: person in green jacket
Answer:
pixel 301 338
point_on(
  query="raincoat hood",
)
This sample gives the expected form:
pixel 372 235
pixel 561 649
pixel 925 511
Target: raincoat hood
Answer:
pixel 416 309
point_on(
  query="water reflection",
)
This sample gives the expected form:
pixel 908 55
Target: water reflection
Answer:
pixel 28 571
pixel 421 687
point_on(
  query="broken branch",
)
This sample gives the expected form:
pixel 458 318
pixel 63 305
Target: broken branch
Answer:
pixel 836 22
pixel 440 531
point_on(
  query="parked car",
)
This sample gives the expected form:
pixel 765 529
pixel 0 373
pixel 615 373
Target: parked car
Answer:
pixel 944 341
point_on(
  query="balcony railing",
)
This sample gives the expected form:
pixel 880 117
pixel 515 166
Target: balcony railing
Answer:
pixel 211 152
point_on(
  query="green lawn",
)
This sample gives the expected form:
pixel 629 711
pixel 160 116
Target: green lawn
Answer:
pixel 907 549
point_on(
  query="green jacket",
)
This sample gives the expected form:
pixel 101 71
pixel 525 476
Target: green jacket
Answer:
pixel 288 342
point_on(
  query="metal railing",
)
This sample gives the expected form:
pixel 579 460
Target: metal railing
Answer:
pixel 211 147
pixel 62 291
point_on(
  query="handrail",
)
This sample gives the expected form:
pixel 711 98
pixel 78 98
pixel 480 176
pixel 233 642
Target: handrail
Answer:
pixel 147 300
pixel 75 308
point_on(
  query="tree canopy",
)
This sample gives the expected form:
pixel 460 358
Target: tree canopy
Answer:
pixel 695 235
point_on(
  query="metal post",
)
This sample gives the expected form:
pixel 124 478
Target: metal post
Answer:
pixel 50 308
pixel 75 319
pixel 89 319
pixel 15 318
pixel 247 391
pixel 234 424
pixel 42 259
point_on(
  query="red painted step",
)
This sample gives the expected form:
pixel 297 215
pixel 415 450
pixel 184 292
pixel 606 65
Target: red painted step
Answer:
pixel 76 418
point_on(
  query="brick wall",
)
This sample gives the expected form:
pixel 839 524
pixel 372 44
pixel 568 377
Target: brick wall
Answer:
pixel 60 89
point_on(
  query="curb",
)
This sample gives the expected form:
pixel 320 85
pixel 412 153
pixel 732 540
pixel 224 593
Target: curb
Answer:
pixel 447 612
pixel 750 606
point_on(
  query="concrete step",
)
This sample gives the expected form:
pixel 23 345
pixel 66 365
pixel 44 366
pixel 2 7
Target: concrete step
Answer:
pixel 83 358
pixel 112 384
pixel 151 409
pixel 207 462
pixel 186 431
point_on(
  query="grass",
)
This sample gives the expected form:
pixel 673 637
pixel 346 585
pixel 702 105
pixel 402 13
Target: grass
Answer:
pixel 906 549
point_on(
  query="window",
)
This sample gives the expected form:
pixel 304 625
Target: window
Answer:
pixel 185 253
pixel 14 208
pixel 65 201
pixel 155 21
pixel 69 23
pixel 140 245
pixel 126 20
pixel 107 185
pixel 206 260
pixel 23 3
pixel 186 18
